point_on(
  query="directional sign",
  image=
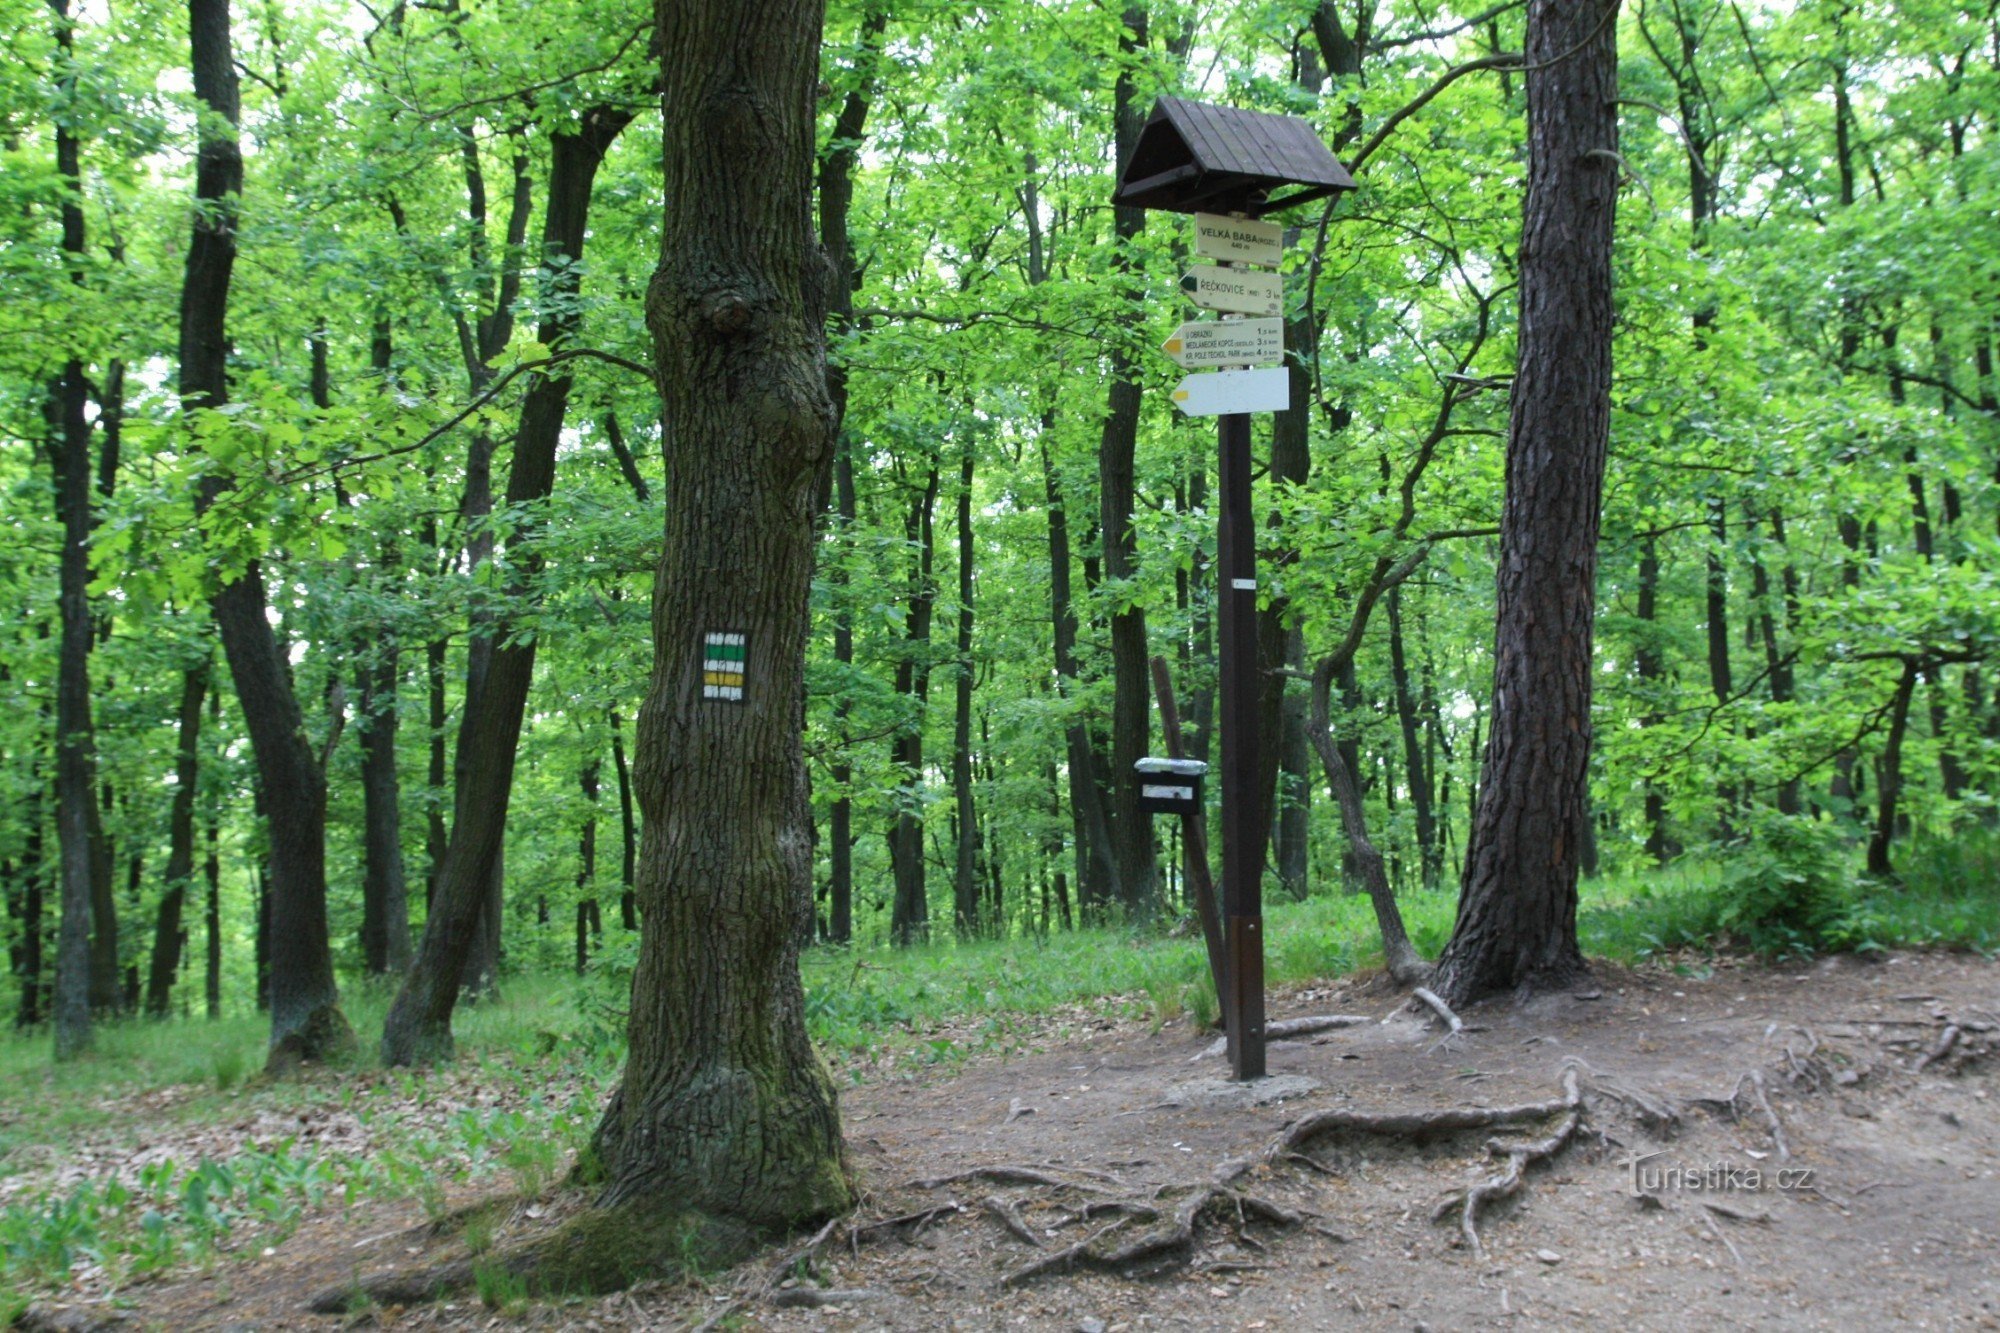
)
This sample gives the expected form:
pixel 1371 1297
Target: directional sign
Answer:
pixel 1239 239
pixel 1244 291
pixel 1224 391
pixel 1239 342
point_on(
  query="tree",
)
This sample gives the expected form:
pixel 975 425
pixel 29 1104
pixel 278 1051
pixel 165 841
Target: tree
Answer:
pixel 1517 905
pixel 306 1022
pixel 725 1107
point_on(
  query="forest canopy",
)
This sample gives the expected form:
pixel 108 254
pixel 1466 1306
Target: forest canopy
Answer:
pixel 381 555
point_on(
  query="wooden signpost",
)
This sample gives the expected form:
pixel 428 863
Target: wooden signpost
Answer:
pixel 1224 165
pixel 1242 291
pixel 1237 342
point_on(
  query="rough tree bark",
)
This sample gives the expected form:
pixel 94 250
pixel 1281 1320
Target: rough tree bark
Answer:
pixel 1517 905
pixel 725 1108
pixel 418 1028
pixel 306 1022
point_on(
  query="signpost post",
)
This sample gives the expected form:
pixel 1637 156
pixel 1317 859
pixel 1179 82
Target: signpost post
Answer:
pixel 1222 165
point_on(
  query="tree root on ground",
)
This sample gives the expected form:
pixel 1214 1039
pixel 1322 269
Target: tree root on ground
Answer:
pixel 1121 1247
pixel 1415 1125
pixel 1732 1106
pixel 1519 1156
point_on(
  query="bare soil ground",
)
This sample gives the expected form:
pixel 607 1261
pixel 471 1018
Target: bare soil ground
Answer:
pixel 1895 1225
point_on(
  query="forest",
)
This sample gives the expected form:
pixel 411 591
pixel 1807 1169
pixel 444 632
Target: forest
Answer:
pixel 341 442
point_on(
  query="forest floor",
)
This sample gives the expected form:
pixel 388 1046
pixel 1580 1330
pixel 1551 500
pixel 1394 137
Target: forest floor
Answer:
pixel 1841 1069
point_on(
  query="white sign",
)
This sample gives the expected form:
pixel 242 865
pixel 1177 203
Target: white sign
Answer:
pixel 1221 392
pixel 1244 291
pixel 1239 342
pixel 1238 239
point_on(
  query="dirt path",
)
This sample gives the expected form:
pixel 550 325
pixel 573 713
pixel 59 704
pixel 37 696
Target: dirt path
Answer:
pixel 1897 1224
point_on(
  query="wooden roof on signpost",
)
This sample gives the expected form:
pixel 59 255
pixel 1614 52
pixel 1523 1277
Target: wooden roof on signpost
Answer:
pixel 1196 157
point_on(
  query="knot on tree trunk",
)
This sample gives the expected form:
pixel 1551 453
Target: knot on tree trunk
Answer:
pixel 727 313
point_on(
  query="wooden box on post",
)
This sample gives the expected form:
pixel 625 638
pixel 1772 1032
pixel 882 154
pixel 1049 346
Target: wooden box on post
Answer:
pixel 1170 786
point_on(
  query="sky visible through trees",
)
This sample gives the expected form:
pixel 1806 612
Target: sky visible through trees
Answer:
pixel 428 449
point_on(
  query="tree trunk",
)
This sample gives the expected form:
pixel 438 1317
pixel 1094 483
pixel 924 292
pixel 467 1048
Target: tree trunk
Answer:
pixel 306 1022
pixel 168 934
pixel 385 902
pixel 628 829
pixel 909 915
pixel 418 1028
pixel 1096 864
pixel 725 1108
pixel 1131 831
pixel 836 198
pixel 1516 921
pixel 1414 759
pixel 76 748
pixel 965 877
pixel 586 867
pixel 27 953
pixel 1660 844
pixel 1889 773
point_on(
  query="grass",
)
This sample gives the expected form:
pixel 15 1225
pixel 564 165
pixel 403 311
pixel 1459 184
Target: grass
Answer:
pixel 550 1050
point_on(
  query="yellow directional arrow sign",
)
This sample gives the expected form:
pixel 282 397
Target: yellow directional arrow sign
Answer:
pixel 1241 342
pixel 1221 392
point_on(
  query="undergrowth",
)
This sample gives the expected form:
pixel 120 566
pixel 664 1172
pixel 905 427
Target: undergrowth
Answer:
pixel 550 1050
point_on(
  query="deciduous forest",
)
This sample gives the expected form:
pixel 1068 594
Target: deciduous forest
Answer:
pixel 407 405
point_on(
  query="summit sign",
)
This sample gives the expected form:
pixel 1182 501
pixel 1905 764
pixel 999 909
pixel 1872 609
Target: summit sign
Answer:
pixel 1238 240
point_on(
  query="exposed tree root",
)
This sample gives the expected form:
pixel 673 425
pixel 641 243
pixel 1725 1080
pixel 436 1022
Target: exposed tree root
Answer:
pixel 1417 1125
pixel 1732 1106
pixel 1946 1040
pixel 1519 1156
pixel 1453 1023
pixel 1167 1236
pixel 1009 1213
pixel 1024 1175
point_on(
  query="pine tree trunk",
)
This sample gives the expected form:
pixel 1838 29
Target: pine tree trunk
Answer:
pixel 1517 908
pixel 725 1107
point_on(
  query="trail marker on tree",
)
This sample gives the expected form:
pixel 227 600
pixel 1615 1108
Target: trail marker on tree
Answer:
pixel 1223 165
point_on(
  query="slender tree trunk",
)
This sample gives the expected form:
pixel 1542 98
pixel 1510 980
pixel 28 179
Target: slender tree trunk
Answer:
pixel 437 837
pixel 965 878
pixel 1414 760
pixel 1096 861
pixel 306 1022
pixel 418 1028
pixel 587 916
pixel 1517 907
pixel 1131 831
pixel 725 1108
pixel 168 934
pixel 76 749
pixel 836 199
pixel 909 914
pixel 628 862
pixel 28 958
pixel 385 902
pixel 1889 773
